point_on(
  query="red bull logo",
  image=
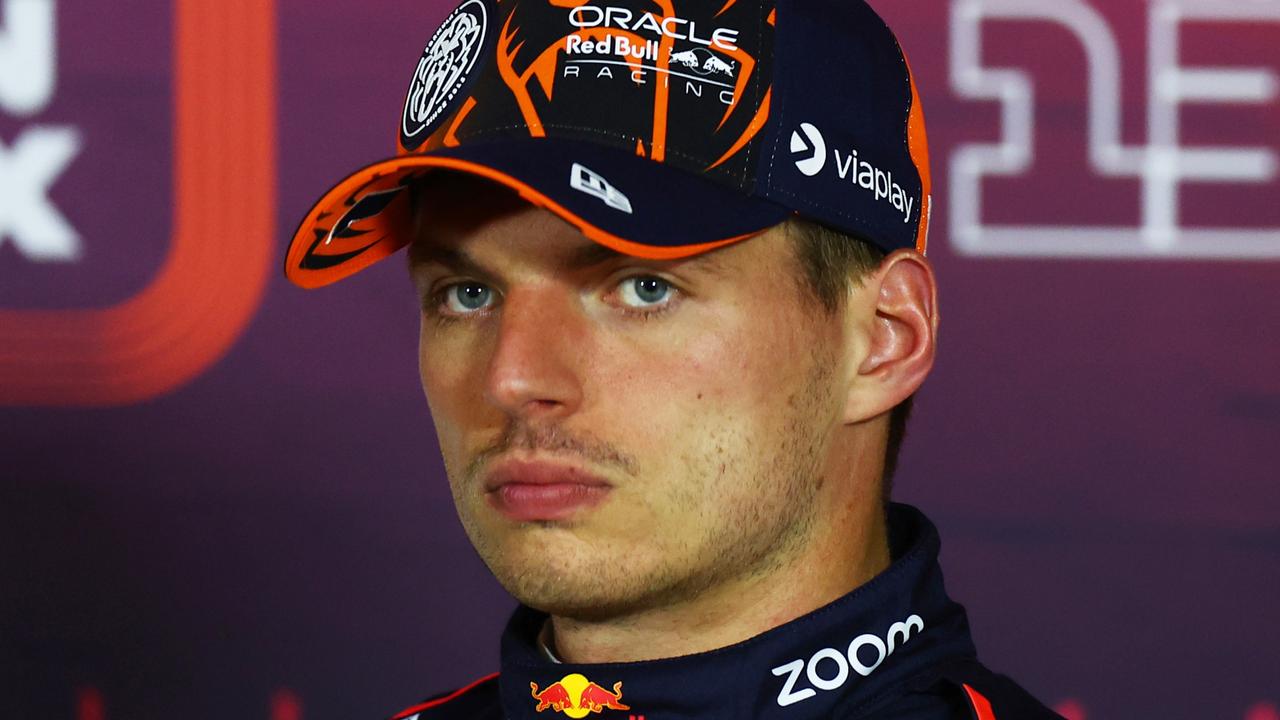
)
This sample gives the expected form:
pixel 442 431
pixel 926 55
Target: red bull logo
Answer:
pixel 576 696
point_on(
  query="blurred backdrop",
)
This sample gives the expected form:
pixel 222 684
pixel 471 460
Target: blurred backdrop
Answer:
pixel 220 496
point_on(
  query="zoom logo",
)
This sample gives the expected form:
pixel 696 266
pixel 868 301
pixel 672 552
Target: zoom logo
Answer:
pixel 813 146
pixel 854 658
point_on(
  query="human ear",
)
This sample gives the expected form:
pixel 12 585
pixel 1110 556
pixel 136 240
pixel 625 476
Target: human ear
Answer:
pixel 901 339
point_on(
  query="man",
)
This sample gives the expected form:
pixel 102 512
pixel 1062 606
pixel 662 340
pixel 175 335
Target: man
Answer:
pixel 674 309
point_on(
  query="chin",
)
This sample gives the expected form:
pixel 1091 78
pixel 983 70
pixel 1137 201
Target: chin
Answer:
pixel 579 604
pixel 568 584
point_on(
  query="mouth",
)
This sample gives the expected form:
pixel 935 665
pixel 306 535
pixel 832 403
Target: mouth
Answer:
pixel 541 491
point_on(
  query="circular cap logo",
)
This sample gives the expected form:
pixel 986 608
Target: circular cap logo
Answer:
pixel 445 65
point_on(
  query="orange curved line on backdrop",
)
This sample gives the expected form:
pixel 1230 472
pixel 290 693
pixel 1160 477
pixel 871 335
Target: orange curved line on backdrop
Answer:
pixel 918 145
pixel 224 204
pixel 753 128
pixel 726 7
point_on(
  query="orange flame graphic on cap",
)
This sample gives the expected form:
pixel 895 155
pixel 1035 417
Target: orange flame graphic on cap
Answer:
pixel 542 70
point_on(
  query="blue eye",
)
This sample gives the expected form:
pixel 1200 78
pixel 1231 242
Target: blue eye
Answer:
pixel 466 298
pixel 645 291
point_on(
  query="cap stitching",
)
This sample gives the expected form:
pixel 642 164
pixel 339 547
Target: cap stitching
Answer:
pixel 782 114
pixel 906 121
pixel 906 124
pixel 746 166
pixel 594 131
pixel 826 208
pixel 781 132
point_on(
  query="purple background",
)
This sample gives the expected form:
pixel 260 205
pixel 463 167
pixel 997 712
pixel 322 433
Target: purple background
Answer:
pixel 1098 442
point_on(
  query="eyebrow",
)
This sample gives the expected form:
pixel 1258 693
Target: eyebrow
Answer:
pixel 590 256
pixel 581 258
pixel 420 255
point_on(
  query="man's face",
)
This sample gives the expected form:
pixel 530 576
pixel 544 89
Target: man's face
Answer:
pixel 621 434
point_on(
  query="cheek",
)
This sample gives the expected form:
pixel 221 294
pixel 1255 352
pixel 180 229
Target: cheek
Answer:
pixel 451 388
pixel 750 362
pixel 698 397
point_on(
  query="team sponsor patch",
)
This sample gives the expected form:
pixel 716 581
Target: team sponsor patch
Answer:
pixel 810 148
pixel 447 62
pixel 576 696
pixel 828 669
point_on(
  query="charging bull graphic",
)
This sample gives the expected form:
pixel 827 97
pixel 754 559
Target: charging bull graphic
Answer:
pixel 702 61
pixel 688 58
pixel 576 696
pixel 678 75
pixel 715 64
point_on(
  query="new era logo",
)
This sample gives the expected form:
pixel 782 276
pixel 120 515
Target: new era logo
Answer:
pixel 585 180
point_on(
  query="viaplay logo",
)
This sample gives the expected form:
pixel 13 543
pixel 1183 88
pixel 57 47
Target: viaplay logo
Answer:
pixel 809 143
pixel 223 206
pixel 813 146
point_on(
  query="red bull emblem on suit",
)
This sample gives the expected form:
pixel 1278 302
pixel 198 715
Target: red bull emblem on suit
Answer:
pixel 576 696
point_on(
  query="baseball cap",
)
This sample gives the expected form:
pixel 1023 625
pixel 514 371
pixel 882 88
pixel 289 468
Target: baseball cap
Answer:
pixel 660 128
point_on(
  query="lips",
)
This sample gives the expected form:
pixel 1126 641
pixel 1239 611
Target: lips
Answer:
pixel 534 491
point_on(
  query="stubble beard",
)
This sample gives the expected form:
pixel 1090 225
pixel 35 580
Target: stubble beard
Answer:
pixel 752 522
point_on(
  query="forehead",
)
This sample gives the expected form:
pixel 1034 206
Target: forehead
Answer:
pixel 460 217
pixel 569 253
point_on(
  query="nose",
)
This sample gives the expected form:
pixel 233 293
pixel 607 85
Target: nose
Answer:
pixel 534 373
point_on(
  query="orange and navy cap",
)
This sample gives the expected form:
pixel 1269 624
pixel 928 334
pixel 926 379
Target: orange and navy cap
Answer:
pixel 660 128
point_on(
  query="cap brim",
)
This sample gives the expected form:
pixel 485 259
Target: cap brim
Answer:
pixel 628 203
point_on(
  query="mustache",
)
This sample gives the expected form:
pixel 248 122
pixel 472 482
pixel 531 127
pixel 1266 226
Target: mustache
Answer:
pixel 552 439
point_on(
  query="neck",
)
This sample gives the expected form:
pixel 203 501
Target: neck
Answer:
pixel 845 552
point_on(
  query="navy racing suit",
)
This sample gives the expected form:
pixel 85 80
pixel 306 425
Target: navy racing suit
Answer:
pixel 896 648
